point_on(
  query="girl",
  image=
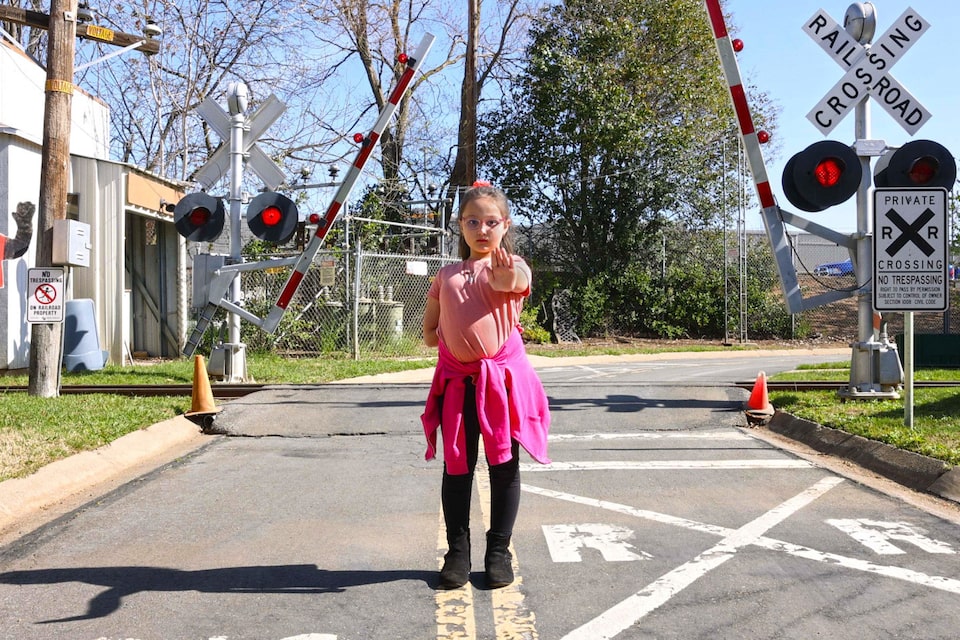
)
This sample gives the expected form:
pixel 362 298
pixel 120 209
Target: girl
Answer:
pixel 483 385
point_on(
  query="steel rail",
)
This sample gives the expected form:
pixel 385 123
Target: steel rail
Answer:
pixel 241 390
pixel 218 390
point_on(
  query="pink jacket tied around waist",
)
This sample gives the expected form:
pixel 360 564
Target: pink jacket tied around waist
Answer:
pixel 525 409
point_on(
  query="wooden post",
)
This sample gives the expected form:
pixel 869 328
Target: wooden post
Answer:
pixel 45 339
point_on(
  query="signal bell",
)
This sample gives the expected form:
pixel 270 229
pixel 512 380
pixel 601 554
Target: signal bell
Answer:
pixel 199 217
pixel 272 217
pixel 918 163
pixel 823 175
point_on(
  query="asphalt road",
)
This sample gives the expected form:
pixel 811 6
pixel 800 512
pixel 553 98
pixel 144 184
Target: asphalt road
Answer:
pixel 315 516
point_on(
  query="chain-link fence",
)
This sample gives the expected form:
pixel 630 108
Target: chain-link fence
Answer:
pixel 823 267
pixel 720 285
pixel 358 303
pixel 366 304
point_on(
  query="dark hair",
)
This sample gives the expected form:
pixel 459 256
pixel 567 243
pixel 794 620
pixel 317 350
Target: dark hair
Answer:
pixel 498 196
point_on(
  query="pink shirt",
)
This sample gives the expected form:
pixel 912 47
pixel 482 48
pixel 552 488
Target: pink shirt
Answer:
pixel 475 320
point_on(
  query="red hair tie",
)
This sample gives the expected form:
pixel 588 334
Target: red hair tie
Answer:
pixel 482 183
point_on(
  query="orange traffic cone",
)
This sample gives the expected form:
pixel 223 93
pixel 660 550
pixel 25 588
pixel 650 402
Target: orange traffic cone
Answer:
pixel 202 402
pixel 758 409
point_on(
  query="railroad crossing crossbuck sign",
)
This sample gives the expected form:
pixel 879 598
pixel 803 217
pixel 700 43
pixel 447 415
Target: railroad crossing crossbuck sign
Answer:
pixel 219 163
pixel 867 71
pixel 910 250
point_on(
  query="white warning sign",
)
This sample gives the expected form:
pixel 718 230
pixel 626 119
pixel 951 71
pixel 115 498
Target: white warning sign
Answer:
pixel 910 250
pixel 45 294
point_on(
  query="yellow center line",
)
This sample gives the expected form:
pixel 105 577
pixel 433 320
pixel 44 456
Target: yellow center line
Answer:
pixel 455 618
pixel 512 619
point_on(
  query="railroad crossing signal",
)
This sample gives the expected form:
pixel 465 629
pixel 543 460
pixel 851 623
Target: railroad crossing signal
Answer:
pixel 302 263
pixel 824 174
pixel 918 163
pixel 199 217
pixel 867 71
pixel 272 217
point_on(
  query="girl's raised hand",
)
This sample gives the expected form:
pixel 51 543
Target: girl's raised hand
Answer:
pixel 504 276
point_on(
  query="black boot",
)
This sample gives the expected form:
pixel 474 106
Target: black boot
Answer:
pixel 456 562
pixel 497 561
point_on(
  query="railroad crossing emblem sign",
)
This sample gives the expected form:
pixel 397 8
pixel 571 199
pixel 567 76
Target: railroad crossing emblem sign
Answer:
pixel 910 250
pixel 45 294
pixel 219 163
pixel 868 71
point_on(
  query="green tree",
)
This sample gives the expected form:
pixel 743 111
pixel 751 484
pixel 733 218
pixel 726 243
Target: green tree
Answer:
pixel 615 127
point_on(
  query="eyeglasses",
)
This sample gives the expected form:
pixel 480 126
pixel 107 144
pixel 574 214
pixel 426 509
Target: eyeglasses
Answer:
pixel 473 224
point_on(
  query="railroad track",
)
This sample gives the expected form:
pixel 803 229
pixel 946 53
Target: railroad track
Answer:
pixel 226 391
pixel 219 390
pixel 833 385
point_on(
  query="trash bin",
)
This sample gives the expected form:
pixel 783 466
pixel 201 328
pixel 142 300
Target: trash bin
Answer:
pixel 81 344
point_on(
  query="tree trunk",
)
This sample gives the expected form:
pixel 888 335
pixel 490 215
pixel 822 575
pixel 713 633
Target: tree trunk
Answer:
pixel 465 164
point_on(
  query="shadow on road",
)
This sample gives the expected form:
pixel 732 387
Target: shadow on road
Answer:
pixel 124 581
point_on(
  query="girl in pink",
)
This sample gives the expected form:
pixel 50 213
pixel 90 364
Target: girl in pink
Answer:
pixel 484 385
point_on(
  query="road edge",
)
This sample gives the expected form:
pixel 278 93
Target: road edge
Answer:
pixel 909 469
pixel 63 485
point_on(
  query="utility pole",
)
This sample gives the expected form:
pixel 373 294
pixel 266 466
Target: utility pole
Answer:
pixel 46 338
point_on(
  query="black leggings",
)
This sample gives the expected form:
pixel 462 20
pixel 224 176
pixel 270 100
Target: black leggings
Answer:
pixel 456 491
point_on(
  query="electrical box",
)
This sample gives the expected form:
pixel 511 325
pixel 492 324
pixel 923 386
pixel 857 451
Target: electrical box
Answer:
pixel 204 266
pixel 71 243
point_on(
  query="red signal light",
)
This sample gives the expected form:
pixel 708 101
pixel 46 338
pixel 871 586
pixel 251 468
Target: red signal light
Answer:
pixel 314 218
pixel 199 216
pixel 271 216
pixel 918 163
pixel 402 58
pixel 828 172
pixel 763 137
pixel 737 45
pixel 923 170
pixel 358 138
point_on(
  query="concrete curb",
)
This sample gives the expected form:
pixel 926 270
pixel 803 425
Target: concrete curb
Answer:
pixel 909 469
pixel 78 474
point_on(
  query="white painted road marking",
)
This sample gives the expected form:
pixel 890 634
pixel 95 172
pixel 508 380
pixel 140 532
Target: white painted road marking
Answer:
pixel 566 540
pixel 950 585
pixel 630 611
pixel 876 536
pixel 666 465
pixel 646 435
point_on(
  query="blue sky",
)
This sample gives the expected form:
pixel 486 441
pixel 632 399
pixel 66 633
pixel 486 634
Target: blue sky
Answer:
pixel 782 60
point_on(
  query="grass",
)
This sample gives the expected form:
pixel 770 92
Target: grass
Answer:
pixel 936 426
pixel 36 431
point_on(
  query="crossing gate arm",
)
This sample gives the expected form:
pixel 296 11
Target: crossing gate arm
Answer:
pixel 774 219
pixel 301 264
pixel 343 192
